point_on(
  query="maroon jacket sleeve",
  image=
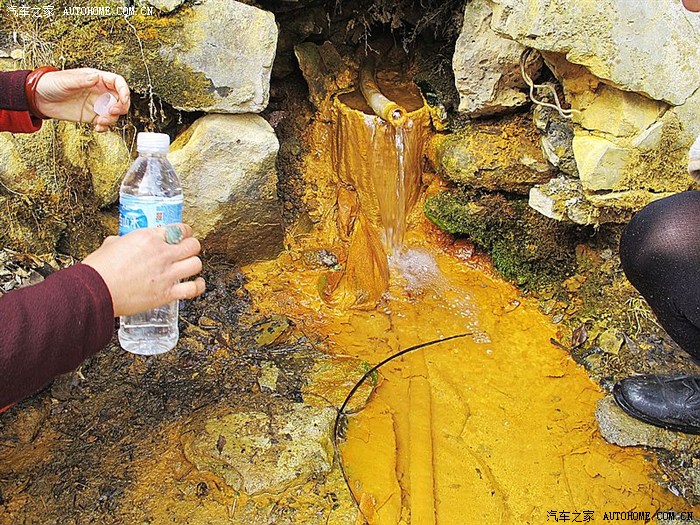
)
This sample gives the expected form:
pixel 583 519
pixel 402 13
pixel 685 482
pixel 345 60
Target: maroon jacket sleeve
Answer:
pixel 50 328
pixel 14 110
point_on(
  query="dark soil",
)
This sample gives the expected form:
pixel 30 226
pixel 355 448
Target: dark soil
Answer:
pixel 68 453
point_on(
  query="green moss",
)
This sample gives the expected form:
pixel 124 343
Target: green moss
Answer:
pixel 526 247
pixel 117 49
pixel 58 205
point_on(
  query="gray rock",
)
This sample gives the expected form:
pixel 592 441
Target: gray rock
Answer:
pixel 227 167
pixel 566 200
pixel 557 137
pixel 233 46
pixel 649 47
pixel 563 199
pixel 487 66
pixel 211 55
pixel 620 429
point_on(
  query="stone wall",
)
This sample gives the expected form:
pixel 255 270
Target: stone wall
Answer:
pixel 628 70
pixel 181 60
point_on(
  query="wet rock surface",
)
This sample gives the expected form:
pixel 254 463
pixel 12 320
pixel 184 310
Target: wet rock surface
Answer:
pixel 501 155
pixel 619 428
pixel 677 451
pixel 259 452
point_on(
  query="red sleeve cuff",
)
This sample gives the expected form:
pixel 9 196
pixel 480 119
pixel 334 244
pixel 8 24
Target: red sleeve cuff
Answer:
pixel 18 121
pixel 12 94
pixel 101 302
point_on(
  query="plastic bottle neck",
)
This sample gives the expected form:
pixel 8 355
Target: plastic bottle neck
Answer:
pixel 152 154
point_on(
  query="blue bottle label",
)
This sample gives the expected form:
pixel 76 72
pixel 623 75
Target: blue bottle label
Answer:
pixel 147 212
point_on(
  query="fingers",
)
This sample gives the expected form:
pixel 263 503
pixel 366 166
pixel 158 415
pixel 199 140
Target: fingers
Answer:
pixel 187 268
pixel 189 289
pixel 90 78
pixel 116 84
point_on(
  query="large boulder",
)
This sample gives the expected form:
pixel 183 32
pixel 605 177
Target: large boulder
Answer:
pixel 487 66
pixel 227 167
pixel 234 45
pixel 213 56
pixel 646 47
pixel 628 72
pixel 622 141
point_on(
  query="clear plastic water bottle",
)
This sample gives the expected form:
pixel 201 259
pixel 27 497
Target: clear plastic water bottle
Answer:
pixel 150 195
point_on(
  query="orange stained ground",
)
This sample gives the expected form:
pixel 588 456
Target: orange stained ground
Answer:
pixel 496 427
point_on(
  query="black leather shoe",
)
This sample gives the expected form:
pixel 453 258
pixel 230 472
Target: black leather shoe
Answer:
pixel 671 402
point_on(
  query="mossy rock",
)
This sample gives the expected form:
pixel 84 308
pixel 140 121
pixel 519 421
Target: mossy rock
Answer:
pixel 502 155
pixel 526 247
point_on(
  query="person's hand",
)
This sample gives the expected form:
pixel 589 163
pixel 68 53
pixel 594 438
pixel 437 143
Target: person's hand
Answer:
pixel 70 95
pixel 142 271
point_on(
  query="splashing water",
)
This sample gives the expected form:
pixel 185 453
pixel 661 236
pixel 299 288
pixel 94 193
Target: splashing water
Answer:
pixel 419 273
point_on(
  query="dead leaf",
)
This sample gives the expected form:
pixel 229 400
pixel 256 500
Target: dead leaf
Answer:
pixel 579 336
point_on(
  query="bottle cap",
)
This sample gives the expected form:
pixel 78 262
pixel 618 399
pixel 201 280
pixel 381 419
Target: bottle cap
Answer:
pixel 103 103
pixel 152 142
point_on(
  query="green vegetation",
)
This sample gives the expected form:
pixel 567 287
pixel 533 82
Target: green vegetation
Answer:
pixel 526 247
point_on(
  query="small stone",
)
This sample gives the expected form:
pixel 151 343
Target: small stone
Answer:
pixel 320 259
pixel 269 374
pixel 610 342
pixel 272 330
